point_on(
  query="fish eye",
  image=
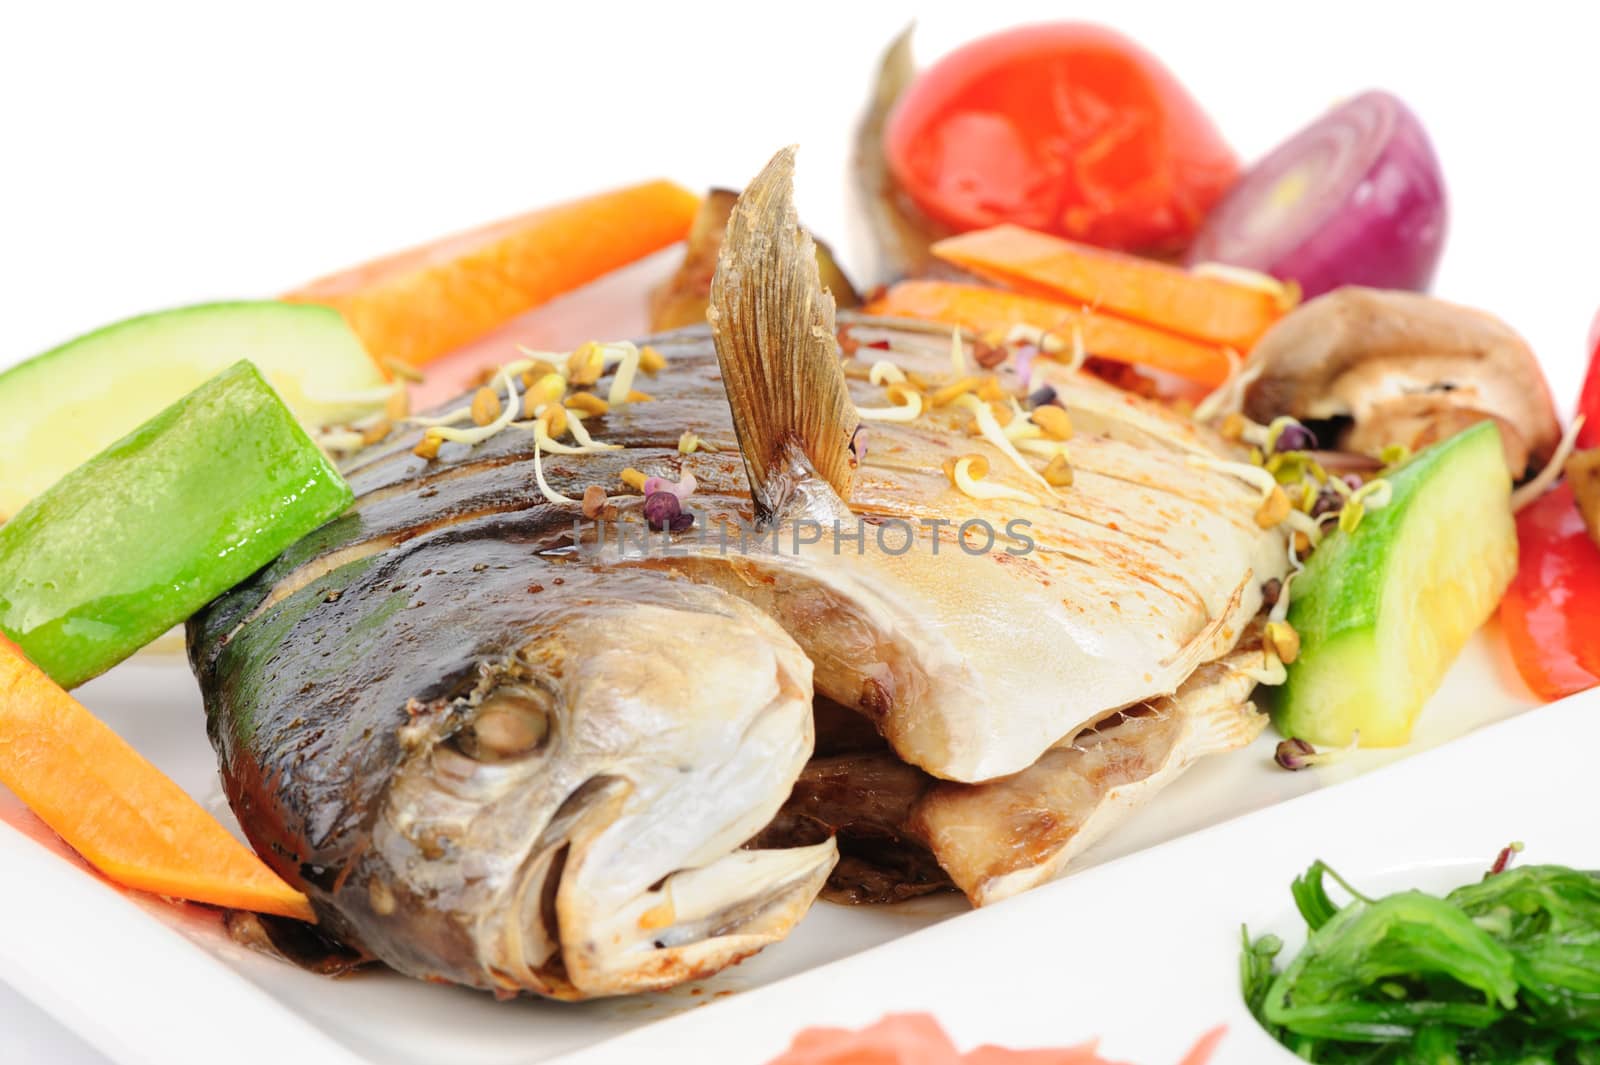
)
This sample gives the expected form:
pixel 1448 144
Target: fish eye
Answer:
pixel 511 722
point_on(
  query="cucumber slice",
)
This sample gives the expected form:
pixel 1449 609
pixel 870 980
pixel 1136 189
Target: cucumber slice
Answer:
pixel 1383 611
pixel 156 526
pixel 69 404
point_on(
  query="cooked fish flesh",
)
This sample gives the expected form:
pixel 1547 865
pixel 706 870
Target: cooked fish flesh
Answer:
pixel 857 792
pixel 502 745
pixel 998 839
pixel 972 664
pixel 903 833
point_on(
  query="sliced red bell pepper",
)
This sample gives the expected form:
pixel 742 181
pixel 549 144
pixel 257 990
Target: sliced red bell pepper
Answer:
pixel 1550 614
pixel 1589 401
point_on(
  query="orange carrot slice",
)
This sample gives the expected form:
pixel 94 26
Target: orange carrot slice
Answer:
pixel 1197 306
pixel 995 310
pixel 126 817
pixel 419 304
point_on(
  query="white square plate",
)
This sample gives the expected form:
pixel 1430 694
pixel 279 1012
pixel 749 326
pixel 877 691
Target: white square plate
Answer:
pixel 331 133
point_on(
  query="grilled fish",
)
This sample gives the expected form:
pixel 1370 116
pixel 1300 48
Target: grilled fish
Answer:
pixel 499 749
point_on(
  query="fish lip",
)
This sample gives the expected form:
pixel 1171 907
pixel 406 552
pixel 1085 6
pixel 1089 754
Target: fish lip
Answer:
pixel 708 939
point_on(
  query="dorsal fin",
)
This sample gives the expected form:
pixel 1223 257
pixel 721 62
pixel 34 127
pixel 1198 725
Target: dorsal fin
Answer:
pixel 776 342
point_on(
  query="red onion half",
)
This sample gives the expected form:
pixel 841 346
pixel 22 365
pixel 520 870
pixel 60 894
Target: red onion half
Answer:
pixel 1356 198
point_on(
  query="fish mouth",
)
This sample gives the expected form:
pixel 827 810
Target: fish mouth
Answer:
pixel 697 922
pixel 626 927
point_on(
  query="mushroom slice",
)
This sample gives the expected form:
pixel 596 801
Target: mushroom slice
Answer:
pixel 1415 421
pixel 1404 368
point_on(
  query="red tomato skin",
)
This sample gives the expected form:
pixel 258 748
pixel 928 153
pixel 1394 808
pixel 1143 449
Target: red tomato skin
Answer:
pixel 1068 128
pixel 1589 401
pixel 1549 613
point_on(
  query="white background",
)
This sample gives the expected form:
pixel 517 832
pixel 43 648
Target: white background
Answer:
pixel 152 155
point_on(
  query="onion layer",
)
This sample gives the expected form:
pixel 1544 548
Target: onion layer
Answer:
pixel 1356 198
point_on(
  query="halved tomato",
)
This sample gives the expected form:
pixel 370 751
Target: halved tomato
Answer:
pixel 1068 128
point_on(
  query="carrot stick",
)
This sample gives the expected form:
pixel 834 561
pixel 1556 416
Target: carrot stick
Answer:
pixel 419 304
pixel 127 818
pixel 1203 308
pixel 996 310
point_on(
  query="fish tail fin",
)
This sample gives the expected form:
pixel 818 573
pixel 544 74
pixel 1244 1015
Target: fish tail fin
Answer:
pixel 772 321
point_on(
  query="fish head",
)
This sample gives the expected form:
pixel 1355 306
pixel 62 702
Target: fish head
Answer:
pixel 574 825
